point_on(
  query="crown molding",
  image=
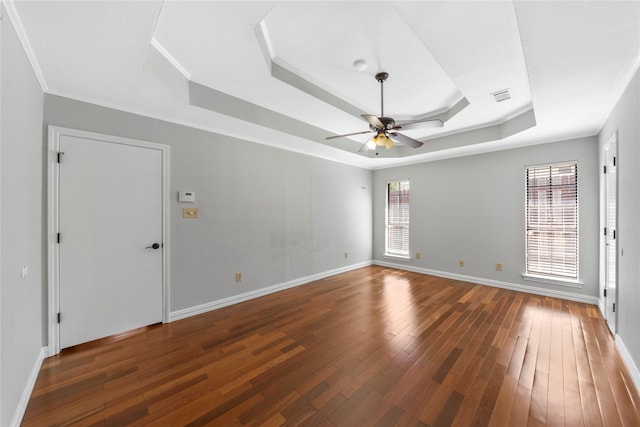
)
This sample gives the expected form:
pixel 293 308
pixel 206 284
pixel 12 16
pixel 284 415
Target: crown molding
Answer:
pixel 14 17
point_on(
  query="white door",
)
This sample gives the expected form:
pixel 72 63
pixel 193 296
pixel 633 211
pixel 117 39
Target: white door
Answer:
pixel 611 246
pixel 110 217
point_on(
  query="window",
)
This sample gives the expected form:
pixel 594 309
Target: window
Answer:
pixel 397 232
pixel 552 221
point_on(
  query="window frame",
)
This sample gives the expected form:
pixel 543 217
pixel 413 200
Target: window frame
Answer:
pixel 552 278
pixel 395 253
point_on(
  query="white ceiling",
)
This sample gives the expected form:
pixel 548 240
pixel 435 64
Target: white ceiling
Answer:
pixel 282 73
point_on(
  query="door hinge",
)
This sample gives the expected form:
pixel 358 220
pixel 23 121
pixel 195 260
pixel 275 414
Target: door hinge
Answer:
pixel 605 231
pixel 58 317
pixel 614 161
pixel 614 234
pixel 614 307
pixel 605 293
pixel 604 169
pixel 58 237
pixel 60 153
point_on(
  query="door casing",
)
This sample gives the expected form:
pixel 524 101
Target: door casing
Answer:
pixel 53 189
pixel 611 224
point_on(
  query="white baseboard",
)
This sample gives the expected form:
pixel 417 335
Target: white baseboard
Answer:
pixel 628 360
pixel 495 283
pixel 28 388
pixel 213 305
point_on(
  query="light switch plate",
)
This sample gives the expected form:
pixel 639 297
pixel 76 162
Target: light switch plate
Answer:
pixel 190 213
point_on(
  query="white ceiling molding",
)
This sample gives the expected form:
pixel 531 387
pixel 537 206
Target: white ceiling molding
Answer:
pixel 617 94
pixel 298 83
pixel 156 44
pixel 214 100
pixel 161 65
pixel 14 17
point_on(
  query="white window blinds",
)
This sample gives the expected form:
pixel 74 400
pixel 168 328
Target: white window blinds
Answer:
pixel 552 221
pixel 397 236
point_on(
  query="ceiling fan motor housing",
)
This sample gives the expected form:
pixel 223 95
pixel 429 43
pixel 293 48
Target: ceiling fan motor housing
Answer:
pixel 387 122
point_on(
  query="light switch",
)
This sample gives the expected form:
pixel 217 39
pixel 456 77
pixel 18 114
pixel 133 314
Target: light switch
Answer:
pixel 190 213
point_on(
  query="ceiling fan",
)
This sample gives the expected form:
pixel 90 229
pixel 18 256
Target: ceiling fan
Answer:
pixel 385 127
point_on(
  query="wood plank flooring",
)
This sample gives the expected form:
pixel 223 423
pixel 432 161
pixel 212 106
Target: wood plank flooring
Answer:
pixel 374 346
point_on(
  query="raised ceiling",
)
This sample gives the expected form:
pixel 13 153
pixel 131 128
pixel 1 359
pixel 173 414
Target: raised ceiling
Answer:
pixel 283 74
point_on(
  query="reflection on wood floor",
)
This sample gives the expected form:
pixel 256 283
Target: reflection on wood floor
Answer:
pixel 374 346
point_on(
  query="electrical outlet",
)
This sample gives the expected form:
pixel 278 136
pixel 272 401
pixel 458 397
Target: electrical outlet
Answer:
pixel 417 255
pixel 461 263
pixel 238 277
pixel 498 266
pixel 346 254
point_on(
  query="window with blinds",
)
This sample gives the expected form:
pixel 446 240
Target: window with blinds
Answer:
pixel 552 221
pixel 397 224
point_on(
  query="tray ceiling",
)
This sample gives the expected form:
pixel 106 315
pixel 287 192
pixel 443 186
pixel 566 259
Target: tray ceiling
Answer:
pixel 283 73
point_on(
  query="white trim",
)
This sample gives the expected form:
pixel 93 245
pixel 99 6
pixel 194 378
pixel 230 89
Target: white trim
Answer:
pixel 172 60
pixel 612 142
pixel 621 89
pixel 53 184
pixel 495 283
pixel 53 254
pixel 553 281
pixel 628 360
pixel 235 299
pixel 14 17
pixel 233 134
pixel 28 388
pixel 1 26
pixel 406 258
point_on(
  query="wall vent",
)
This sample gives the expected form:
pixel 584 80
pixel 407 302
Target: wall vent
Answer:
pixel 501 95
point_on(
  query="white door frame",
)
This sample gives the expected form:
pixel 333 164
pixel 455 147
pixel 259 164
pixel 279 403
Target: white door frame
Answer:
pixel 611 323
pixel 53 221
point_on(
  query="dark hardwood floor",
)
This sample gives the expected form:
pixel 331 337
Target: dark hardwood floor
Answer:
pixel 374 347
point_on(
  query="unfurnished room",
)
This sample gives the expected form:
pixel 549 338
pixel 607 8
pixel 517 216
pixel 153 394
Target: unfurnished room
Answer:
pixel 320 213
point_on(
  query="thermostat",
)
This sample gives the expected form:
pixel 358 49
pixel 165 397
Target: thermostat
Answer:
pixel 186 196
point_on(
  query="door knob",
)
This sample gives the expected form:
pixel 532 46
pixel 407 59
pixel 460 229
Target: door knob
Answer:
pixel 154 246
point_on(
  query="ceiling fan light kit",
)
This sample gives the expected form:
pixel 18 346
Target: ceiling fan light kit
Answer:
pixel 385 128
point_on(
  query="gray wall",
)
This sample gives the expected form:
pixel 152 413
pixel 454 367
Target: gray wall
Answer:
pixel 22 215
pixel 625 120
pixel 472 208
pixel 271 214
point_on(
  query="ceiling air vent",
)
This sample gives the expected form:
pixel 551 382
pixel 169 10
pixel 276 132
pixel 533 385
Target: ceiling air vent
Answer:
pixel 501 95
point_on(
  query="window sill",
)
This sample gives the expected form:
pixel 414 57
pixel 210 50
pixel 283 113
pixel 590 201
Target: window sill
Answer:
pixel 397 257
pixel 549 280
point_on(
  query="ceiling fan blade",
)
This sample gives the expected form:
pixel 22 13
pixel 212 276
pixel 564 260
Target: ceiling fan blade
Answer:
pixel 373 121
pixel 363 148
pixel 420 124
pixel 405 139
pixel 349 134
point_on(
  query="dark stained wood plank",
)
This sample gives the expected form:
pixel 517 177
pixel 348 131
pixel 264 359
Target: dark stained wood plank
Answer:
pixel 373 346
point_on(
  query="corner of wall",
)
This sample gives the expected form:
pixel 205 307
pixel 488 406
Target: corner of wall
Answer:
pixel 571 296
pixel 633 369
pixel 28 388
